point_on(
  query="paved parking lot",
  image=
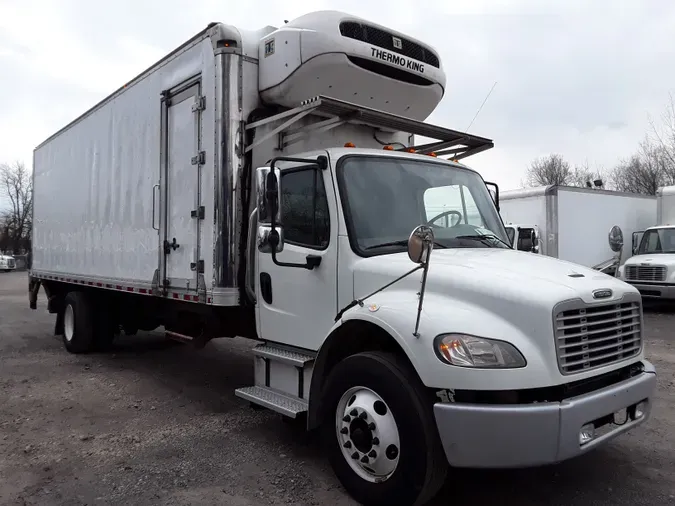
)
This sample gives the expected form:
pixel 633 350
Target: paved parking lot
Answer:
pixel 156 423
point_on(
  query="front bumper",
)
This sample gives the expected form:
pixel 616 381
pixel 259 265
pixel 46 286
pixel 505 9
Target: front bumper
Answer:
pixel 654 291
pixel 524 435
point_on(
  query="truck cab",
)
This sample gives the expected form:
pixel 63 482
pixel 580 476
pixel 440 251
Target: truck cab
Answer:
pixel 651 269
pixel 7 263
pixel 523 237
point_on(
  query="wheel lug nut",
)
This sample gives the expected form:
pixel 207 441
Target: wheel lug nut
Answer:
pixel 348 444
pixel 364 459
pixel 353 412
pixel 347 418
pixel 375 441
pixel 355 455
pixel 344 430
pixel 371 426
pixel 363 415
pixel 372 454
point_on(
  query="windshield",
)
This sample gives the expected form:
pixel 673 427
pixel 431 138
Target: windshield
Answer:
pixel 386 198
pixel 660 240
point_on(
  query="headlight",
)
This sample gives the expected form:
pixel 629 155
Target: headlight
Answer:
pixel 471 351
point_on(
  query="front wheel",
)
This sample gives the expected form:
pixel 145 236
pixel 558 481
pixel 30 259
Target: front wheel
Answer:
pixel 380 433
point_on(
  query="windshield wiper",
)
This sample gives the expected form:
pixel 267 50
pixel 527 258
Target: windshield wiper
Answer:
pixel 401 242
pixel 483 238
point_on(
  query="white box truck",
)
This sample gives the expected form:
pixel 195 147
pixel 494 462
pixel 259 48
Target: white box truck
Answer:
pixel 572 224
pixel 652 268
pixel 213 196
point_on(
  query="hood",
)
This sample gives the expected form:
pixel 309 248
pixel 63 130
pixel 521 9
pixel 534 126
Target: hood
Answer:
pixel 479 275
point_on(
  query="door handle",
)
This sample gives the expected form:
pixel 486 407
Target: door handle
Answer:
pixel 168 246
pixel 153 207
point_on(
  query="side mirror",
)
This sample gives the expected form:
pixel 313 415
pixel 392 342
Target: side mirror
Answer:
pixel 270 237
pixel 637 237
pixel 615 239
pixel 267 185
pixel 420 244
pixel 535 241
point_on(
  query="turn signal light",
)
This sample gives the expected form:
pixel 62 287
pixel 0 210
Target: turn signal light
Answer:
pixel 349 145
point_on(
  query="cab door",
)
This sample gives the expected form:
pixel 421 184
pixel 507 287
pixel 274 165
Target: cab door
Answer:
pixel 296 305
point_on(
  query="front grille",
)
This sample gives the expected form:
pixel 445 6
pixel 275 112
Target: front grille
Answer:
pixel 381 38
pixel 11 264
pixel 646 272
pixel 596 336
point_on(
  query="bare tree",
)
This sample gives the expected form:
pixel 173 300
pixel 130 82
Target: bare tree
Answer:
pixel 663 136
pixel 16 184
pixel 645 171
pixel 549 170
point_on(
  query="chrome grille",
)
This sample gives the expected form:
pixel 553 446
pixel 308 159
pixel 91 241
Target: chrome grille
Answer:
pixel 646 272
pixel 596 336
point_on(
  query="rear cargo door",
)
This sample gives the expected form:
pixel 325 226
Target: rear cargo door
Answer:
pixel 182 210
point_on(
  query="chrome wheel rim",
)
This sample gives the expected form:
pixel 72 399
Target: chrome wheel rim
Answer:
pixel 367 434
pixel 69 323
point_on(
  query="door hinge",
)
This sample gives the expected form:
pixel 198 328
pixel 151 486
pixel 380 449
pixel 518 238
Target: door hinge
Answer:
pixel 198 213
pixel 199 266
pixel 200 159
pixel 199 105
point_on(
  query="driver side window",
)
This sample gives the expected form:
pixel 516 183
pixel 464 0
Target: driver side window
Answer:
pixel 446 206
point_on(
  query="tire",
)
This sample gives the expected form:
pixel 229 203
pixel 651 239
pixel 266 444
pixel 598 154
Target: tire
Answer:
pixel 78 325
pixel 399 410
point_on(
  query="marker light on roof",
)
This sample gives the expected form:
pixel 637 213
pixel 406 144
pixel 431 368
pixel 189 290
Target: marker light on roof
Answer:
pixel 388 148
pixel 349 145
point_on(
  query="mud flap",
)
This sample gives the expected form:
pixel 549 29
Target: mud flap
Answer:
pixel 33 290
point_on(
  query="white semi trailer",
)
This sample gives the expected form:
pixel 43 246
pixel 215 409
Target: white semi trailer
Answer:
pixel 267 184
pixel 652 268
pixel 572 223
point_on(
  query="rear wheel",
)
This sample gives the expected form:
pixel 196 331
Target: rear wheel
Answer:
pixel 380 432
pixel 78 327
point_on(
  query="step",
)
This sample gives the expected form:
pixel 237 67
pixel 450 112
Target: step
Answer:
pixel 272 399
pixel 282 355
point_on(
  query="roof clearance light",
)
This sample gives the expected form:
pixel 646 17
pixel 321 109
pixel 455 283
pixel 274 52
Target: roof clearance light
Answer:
pixel 388 148
pixel 433 154
pixel 411 150
pixel 349 145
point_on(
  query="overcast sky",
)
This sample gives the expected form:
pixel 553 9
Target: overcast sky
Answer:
pixel 578 77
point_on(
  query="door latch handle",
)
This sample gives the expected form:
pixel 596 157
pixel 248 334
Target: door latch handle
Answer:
pixel 168 246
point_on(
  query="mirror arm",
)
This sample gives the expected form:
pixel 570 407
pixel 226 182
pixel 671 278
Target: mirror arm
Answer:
pixel 496 187
pixel 359 302
pixel 311 261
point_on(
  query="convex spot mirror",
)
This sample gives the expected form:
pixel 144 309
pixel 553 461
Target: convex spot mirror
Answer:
pixel 420 244
pixel 615 239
